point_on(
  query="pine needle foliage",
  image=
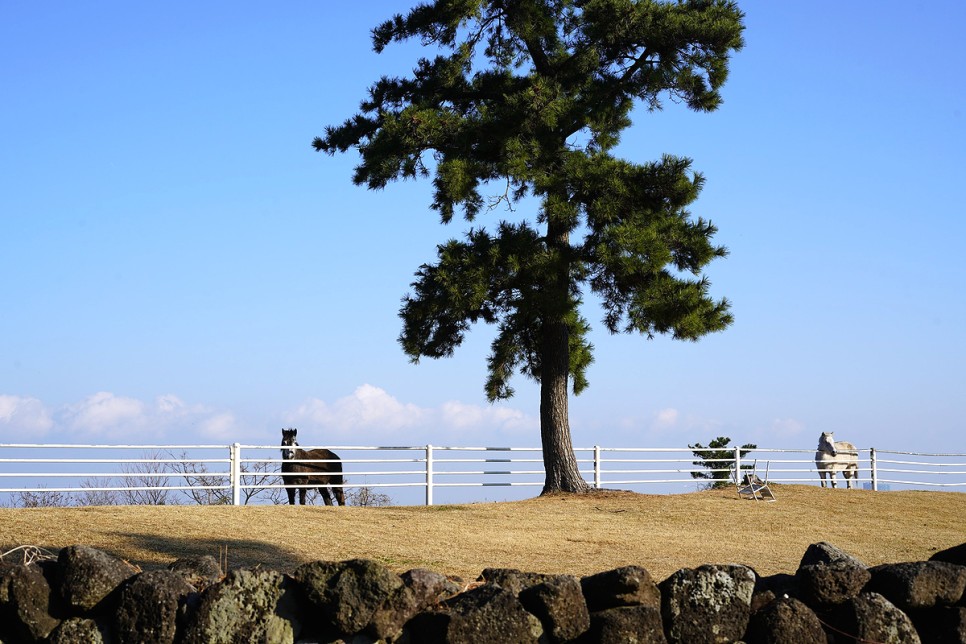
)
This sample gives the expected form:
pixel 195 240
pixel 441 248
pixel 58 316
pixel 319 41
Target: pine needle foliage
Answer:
pixel 523 103
pixel 719 459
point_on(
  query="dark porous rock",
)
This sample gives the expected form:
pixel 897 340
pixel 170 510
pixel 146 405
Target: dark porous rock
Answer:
pixel 785 621
pixel 638 624
pixel 760 599
pixel 626 586
pixel 79 629
pixel 768 589
pixel 314 580
pixel 831 583
pixel 89 579
pixel 940 625
pixel 488 614
pixel 870 617
pixel 200 572
pixel 25 604
pixel 919 584
pixel 421 589
pixel 348 593
pixel 429 587
pixel 246 606
pixel 6 619
pixel 780 585
pixel 825 553
pixel 956 555
pixel 87 595
pixel 512 579
pixel 148 608
pixel 559 604
pixel 707 604
pixel 6 569
pixel 388 620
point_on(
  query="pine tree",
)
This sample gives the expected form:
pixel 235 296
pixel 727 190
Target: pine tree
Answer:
pixel 719 458
pixel 525 101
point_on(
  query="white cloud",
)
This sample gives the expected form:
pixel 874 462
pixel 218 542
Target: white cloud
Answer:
pixel 786 427
pixel 665 427
pixel 666 418
pixel 170 404
pixel 462 417
pixel 368 408
pixel 105 413
pixel 372 413
pixel 108 416
pixel 220 427
pixel 23 418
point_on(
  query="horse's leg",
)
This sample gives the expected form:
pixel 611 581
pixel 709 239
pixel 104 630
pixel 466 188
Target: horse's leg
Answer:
pixel 831 477
pixel 336 479
pixel 821 477
pixel 302 492
pixel 324 491
pixel 286 480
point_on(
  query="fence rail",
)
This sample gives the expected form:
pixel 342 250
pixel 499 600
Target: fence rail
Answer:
pixel 240 474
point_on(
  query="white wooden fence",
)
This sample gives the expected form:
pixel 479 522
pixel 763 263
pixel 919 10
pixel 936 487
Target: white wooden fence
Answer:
pixel 240 474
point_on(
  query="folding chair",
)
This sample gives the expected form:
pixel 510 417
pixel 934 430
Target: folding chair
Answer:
pixel 751 486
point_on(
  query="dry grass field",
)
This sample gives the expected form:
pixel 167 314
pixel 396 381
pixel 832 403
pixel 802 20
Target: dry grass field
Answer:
pixel 565 534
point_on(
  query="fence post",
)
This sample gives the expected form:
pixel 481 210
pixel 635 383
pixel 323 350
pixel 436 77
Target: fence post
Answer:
pixel 429 475
pixel 597 466
pixel 875 472
pixel 235 476
pixel 737 465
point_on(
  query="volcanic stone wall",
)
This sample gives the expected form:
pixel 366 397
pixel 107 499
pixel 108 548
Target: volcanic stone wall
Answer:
pixel 86 595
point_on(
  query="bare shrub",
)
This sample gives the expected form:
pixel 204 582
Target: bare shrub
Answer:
pixel 145 483
pixel 44 499
pixel 366 496
pixel 90 496
pixel 256 477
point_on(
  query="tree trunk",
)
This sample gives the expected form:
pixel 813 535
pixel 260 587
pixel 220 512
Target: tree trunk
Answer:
pixel 559 460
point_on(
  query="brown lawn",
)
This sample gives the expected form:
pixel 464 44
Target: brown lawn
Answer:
pixel 566 534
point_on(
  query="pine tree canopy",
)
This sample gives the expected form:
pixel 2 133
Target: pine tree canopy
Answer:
pixel 527 98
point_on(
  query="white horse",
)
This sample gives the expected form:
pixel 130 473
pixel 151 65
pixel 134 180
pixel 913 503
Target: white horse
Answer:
pixel 836 456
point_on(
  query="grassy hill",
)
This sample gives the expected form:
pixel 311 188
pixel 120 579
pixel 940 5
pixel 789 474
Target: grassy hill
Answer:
pixel 566 534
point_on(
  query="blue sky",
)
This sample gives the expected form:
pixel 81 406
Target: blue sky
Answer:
pixel 178 265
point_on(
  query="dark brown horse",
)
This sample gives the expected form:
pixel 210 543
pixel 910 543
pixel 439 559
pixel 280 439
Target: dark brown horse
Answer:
pixel 321 475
